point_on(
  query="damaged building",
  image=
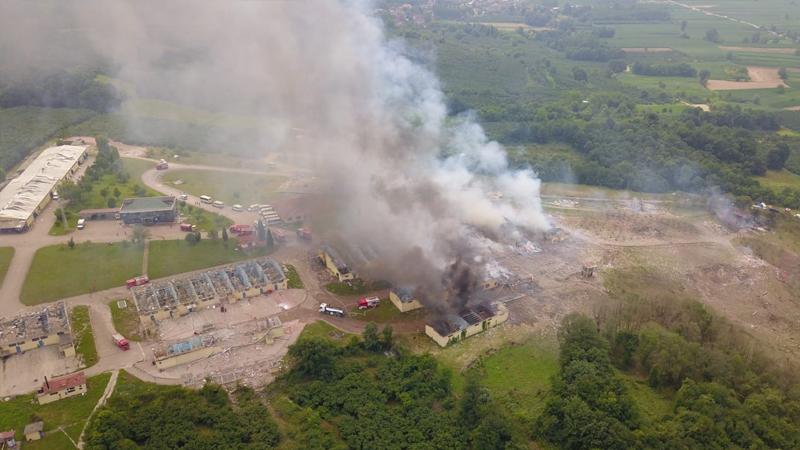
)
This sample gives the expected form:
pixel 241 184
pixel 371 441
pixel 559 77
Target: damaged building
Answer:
pixel 174 354
pixel 403 299
pixel 471 321
pixel 48 326
pixel 229 284
pixel 335 264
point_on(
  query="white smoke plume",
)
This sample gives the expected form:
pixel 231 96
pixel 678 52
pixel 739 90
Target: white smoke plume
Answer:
pixel 399 175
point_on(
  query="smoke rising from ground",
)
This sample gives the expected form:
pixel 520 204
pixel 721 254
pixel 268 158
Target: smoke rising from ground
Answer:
pixel 399 176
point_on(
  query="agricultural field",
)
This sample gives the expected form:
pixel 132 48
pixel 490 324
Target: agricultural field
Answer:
pixel 780 180
pixel 59 272
pixel 231 188
pixel 178 256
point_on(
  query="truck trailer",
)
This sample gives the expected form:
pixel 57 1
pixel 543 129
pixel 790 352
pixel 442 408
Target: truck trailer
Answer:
pixel 325 309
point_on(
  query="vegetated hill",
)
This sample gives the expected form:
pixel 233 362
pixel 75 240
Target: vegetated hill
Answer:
pixel 26 127
pixel 527 90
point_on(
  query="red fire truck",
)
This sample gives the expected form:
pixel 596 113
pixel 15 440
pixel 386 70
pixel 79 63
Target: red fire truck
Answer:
pixel 138 281
pixel 120 341
pixel 368 302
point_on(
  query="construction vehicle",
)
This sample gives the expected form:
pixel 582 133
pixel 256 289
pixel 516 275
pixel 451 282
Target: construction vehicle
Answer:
pixel 325 309
pixel 304 234
pixel 368 302
pixel 120 341
pixel 138 281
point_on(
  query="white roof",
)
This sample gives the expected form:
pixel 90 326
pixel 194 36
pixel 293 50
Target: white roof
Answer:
pixel 23 194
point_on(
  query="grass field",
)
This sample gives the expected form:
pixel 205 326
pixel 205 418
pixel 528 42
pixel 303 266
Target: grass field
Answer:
pixel 354 287
pixel 779 180
pixel 126 320
pixel 320 329
pixel 207 159
pixel 70 413
pixel 386 312
pixel 177 256
pixel 651 404
pixel 518 376
pixel 231 188
pixel 293 280
pixel 60 272
pixel 81 325
pixel 205 220
pixel 6 253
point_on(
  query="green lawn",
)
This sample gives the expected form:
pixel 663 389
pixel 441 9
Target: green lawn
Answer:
pixel 778 180
pixel 126 320
pixel 55 440
pixel 17 412
pixel 59 272
pixel 231 188
pixel 83 335
pixel 518 376
pixel 320 329
pixel 204 220
pixel 6 253
pixel 386 312
pixel 178 256
pixel 293 280
pixel 354 287
pixel 650 403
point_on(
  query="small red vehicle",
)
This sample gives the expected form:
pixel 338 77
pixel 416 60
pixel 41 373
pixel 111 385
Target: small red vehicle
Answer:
pixel 188 227
pixel 138 281
pixel 304 234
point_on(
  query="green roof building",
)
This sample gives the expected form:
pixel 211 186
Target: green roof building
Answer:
pixel 149 210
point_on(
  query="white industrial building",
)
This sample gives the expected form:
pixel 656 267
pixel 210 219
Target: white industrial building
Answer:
pixel 26 196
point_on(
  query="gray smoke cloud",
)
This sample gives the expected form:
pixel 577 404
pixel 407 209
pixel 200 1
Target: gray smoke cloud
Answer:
pixel 401 178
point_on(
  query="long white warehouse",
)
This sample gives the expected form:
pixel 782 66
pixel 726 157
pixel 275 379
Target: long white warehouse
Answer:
pixel 26 195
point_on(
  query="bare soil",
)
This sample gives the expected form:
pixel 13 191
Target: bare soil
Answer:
pixel 760 78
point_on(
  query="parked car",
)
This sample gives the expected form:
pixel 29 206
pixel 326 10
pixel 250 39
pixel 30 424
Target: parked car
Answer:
pixel 184 197
pixel 237 208
pixel 81 224
pixel 218 204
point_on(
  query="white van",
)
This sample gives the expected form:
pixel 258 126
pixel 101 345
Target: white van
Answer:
pixel 81 224
pixel 253 207
pixel 205 199
pixel 237 208
pixel 218 204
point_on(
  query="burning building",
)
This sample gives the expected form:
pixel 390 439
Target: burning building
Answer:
pixel 471 321
pixel 334 263
pixel 404 299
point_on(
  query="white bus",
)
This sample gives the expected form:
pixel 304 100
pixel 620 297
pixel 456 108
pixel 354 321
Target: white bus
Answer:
pixel 237 208
pixel 218 204
pixel 205 199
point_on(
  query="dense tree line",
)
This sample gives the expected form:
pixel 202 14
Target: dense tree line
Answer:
pixel 622 148
pixel 63 89
pixel 727 396
pixel 176 417
pixel 664 69
pixel 402 401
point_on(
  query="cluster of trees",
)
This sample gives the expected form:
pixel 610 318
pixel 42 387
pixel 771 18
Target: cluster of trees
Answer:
pixel 726 396
pixel 664 69
pixel 622 148
pixel 176 417
pixel 107 163
pixel 402 401
pixel 581 46
pixel 62 89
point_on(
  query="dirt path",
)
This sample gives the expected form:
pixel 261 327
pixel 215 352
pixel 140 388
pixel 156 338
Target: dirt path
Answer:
pixel 721 16
pixel 112 383
pixel 145 256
